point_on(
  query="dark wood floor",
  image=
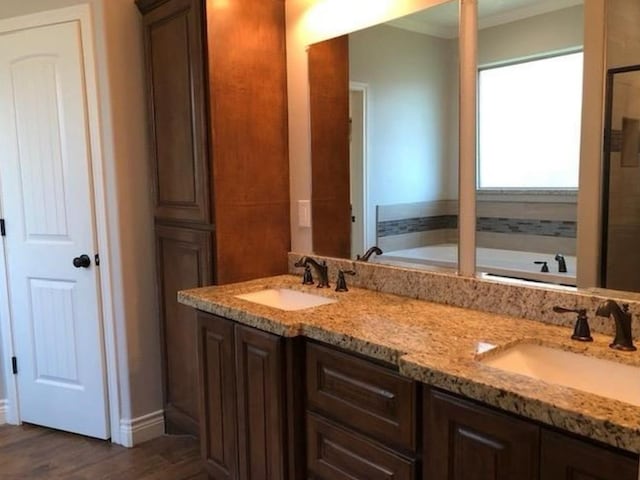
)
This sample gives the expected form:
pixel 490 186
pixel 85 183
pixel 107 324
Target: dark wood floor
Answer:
pixel 32 452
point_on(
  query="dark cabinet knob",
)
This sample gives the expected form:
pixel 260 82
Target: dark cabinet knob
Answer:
pixel 83 261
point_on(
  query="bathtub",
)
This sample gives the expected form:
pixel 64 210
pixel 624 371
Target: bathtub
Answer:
pixel 494 261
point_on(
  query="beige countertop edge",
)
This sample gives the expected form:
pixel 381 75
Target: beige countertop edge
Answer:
pixel 611 422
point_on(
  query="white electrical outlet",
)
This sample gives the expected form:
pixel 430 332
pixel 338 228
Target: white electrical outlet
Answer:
pixel 304 213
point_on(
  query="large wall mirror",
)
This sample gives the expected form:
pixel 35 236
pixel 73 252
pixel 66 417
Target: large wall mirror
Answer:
pixel 621 181
pixel 384 129
pixel 530 75
pixel 387 174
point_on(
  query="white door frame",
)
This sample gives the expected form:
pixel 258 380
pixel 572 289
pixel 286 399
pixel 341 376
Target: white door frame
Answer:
pixel 82 15
pixel 369 237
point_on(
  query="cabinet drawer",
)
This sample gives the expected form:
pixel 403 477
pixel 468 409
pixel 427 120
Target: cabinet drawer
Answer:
pixel 338 454
pixel 362 395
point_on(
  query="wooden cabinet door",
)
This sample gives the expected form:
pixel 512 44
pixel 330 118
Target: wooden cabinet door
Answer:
pixel 464 441
pixel 173 37
pixel 335 453
pixel 218 426
pixel 567 458
pixel 260 404
pixel 183 261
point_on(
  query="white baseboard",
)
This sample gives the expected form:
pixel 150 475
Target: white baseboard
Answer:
pixel 4 408
pixel 141 429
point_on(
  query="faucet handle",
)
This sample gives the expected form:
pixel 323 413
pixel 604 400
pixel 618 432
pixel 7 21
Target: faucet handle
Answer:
pixel 544 268
pixel 570 310
pixel 341 283
pixel 581 330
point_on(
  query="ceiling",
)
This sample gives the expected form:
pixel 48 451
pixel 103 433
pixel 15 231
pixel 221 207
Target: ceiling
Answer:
pixel 442 20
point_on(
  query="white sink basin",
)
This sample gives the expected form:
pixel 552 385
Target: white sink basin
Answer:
pixel 600 377
pixel 286 299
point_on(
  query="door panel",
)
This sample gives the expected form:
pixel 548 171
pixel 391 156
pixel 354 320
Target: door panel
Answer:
pixel 46 185
pixel 53 324
pixel 36 82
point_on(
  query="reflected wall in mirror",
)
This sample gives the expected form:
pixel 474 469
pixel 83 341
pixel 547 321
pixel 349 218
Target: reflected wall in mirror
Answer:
pixel 621 181
pixel 384 128
pixel 529 125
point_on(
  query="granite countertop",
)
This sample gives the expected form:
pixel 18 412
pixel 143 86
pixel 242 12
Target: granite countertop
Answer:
pixel 440 345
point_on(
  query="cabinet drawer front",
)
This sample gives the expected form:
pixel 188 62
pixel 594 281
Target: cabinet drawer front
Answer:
pixel 337 454
pixel 360 394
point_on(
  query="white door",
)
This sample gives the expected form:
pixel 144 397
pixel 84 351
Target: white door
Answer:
pixel 46 201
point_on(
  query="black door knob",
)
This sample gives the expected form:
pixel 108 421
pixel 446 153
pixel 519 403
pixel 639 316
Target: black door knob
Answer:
pixel 83 261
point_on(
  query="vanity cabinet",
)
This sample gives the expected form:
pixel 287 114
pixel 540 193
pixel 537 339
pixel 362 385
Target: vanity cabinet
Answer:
pixel 242 401
pixel 276 408
pixel 464 440
pixel 218 147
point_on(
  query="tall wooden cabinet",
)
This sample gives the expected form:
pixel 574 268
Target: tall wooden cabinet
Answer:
pixel 217 107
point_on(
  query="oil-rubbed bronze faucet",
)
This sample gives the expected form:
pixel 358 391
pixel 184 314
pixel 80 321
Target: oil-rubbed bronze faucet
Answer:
pixel 365 258
pixel 623 339
pixel 321 270
pixel 562 264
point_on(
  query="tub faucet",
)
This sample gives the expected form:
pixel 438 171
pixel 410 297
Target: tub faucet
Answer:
pixel 562 264
pixel 365 258
pixel 321 270
pixel 623 339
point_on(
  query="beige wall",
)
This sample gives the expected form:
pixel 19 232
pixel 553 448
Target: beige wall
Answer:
pixel 550 32
pixel 118 40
